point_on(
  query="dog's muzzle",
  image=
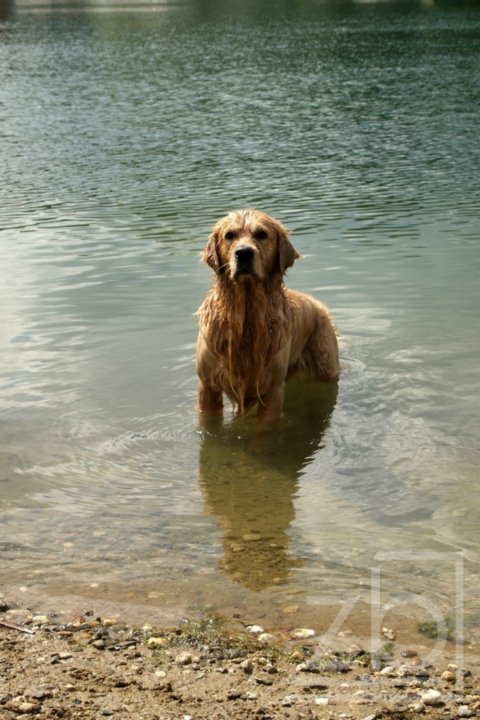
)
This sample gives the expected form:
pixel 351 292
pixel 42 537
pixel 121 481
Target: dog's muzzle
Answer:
pixel 244 260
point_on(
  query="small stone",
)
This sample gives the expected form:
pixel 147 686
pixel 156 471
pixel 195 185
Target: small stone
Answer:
pixel 369 717
pixel 78 620
pixel 303 633
pixel 432 697
pixel 464 711
pixel 65 655
pixel 185 658
pixel 99 644
pixel 263 680
pixel 247 666
pixel 154 642
pixel 297 655
pixel 321 701
pixel 234 694
pixel 449 676
pixel 266 638
pixel 409 653
pixel 250 695
pixel 109 622
pixel 252 537
pixel 417 707
pixel 390 634
pixel 40 619
pixel 291 610
pixel 255 629
pixel 388 670
pixel 26 707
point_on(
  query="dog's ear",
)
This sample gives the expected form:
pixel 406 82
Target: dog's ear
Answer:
pixel 286 253
pixel 210 254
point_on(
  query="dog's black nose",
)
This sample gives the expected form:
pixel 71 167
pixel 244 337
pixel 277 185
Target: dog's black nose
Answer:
pixel 244 253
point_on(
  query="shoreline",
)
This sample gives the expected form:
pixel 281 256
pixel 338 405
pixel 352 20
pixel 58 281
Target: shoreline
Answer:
pixel 87 667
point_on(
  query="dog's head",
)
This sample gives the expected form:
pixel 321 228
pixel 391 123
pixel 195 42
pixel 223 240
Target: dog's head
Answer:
pixel 249 244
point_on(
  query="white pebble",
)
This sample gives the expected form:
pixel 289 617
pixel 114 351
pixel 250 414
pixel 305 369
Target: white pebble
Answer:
pixel 432 697
pixel 464 711
pixel 185 658
pixel 302 633
pixel 255 629
pixel 266 638
pixel 39 619
pixel 387 670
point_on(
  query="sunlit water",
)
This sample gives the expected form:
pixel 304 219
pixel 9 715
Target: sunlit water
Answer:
pixel 124 136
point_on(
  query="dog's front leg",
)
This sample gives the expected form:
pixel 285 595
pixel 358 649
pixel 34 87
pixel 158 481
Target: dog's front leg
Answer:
pixel 209 400
pixel 271 403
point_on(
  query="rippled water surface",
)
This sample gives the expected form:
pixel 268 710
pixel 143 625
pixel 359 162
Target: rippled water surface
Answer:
pixel 124 136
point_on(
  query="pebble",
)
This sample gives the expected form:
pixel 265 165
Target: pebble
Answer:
pixel 78 620
pixel 409 653
pixel 40 619
pixel 234 694
pixel 247 666
pixel 154 642
pixel 388 670
pixel 432 697
pixel 26 707
pixel 185 658
pixel 390 634
pixel 297 655
pixel 263 680
pixel 266 638
pixel 464 711
pixel 99 644
pixel 302 633
pixel 448 675
pixel 255 629
pixel 321 701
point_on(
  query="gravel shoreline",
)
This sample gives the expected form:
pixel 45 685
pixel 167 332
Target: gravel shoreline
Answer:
pixel 88 668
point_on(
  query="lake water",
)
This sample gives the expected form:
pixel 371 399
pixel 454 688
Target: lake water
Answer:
pixel 125 134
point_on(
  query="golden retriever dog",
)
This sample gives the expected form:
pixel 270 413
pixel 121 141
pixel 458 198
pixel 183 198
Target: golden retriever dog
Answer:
pixel 254 331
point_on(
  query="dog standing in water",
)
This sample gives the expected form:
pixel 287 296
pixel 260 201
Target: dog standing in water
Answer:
pixel 254 331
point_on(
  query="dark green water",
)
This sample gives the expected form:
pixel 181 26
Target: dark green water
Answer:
pixel 124 135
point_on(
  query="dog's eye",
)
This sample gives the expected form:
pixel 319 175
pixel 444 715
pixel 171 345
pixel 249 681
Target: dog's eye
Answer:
pixel 229 235
pixel 261 235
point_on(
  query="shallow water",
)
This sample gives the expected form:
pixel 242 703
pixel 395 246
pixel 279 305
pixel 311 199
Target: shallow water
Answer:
pixel 125 135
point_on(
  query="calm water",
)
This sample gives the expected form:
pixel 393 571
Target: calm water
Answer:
pixel 124 136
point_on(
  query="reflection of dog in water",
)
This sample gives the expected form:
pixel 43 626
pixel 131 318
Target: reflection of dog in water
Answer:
pixel 249 479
